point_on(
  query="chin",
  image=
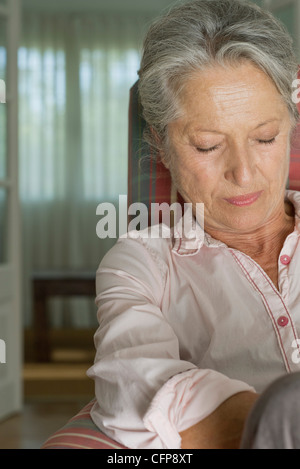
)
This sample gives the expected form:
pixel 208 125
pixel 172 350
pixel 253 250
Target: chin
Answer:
pixel 244 224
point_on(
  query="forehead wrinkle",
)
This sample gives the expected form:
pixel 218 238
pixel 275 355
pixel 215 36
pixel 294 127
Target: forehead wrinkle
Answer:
pixel 235 93
pixel 218 100
pixel 235 100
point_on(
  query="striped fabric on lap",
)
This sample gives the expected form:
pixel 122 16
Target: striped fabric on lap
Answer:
pixel 81 433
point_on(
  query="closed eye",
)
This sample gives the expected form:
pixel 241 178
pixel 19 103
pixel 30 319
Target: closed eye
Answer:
pixel 207 150
pixel 211 149
pixel 267 142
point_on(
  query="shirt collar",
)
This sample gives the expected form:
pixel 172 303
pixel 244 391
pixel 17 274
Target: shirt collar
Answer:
pixel 189 235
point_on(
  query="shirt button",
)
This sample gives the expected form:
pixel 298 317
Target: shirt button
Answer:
pixel 285 260
pixel 282 321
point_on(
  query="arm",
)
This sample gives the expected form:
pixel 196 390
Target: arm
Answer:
pixel 224 427
pixel 147 394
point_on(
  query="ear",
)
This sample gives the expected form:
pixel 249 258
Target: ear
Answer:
pixel 158 144
pixel 165 161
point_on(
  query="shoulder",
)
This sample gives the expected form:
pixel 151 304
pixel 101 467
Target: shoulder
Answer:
pixel 138 256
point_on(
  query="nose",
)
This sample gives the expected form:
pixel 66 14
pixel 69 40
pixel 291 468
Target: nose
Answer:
pixel 240 166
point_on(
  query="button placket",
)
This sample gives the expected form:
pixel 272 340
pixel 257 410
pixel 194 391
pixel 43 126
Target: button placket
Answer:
pixel 283 275
pixel 276 303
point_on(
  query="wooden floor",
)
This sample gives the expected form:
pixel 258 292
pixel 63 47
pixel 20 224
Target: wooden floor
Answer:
pixel 53 393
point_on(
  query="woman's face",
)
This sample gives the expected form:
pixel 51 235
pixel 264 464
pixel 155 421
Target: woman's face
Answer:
pixel 230 148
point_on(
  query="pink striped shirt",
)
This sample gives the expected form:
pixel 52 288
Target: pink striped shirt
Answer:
pixel 183 325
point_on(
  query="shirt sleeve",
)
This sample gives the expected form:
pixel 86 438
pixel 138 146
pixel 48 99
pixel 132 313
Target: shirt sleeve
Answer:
pixel 145 393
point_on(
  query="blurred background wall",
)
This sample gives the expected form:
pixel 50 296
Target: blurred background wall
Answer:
pixel 77 62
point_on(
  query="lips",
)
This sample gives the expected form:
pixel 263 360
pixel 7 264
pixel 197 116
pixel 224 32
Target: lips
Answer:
pixel 243 200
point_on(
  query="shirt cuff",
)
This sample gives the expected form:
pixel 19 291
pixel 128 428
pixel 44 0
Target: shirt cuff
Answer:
pixel 186 399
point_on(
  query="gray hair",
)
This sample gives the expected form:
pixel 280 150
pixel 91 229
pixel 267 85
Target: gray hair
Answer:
pixel 196 34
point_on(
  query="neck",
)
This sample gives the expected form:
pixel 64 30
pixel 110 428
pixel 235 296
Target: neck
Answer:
pixel 263 242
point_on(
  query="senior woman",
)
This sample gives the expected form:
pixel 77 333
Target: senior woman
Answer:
pixel 193 331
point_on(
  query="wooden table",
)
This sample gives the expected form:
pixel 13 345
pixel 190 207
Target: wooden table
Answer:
pixel 50 284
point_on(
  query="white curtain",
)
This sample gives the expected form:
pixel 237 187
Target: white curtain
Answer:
pixel 75 72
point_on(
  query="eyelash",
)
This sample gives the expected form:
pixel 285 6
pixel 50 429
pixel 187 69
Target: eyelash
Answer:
pixel 208 150
pixel 267 142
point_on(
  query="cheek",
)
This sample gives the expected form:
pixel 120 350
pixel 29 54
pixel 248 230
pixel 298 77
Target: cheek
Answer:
pixel 278 167
pixel 195 179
